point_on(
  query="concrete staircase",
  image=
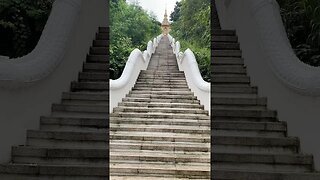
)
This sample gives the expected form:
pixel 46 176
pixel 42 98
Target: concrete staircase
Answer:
pixel 248 140
pixel 72 143
pixel 160 130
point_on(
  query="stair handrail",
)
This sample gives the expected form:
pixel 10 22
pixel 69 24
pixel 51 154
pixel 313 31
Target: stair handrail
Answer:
pixel 49 51
pixel 137 61
pixel 188 64
pixel 283 62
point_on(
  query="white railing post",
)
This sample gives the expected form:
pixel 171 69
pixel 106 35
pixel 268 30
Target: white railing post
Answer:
pixel 188 64
pixel 137 61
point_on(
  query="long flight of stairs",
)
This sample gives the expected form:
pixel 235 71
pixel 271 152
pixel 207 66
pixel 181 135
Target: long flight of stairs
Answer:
pixel 160 130
pixel 72 143
pixel 249 142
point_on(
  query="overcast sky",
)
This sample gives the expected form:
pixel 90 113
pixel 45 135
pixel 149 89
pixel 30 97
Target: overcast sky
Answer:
pixel 157 6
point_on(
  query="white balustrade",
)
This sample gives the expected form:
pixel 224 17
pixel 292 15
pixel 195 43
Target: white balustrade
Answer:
pixel 188 64
pixel 137 61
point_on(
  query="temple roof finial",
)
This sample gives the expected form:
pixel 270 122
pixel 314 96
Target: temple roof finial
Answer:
pixel 165 25
pixel 165 19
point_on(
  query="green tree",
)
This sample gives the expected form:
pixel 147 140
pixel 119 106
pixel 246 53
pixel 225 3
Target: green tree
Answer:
pixel 191 26
pixel 130 27
pixel 21 24
pixel 175 15
pixel 302 22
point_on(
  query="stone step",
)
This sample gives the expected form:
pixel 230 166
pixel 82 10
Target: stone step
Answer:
pixel 160 136
pixel 89 86
pixel 149 110
pixel 248 133
pixel 252 129
pixel 244 119
pixel 104 29
pixel 238 101
pixel 67 139
pixel 219 75
pixel 59 156
pixel 160 145
pixel 94 76
pixel 234 89
pixel 165 72
pixel 162 66
pixel 158 121
pixel 159 156
pixel 90 96
pixel 99 50
pixel 162 92
pixel 161 105
pixel 242 107
pixel 234 85
pixel 162 78
pixel 73 124
pixel 168 68
pixel 160 96
pixel 101 43
pixel 159 83
pixel 225 39
pixel 145 88
pixel 250 174
pixel 264 162
pixel 227 61
pixel 165 81
pixel 160 128
pixel 148 177
pixel 95 67
pixel 78 114
pixel 234 95
pixel 102 36
pixel 238 112
pixel 194 171
pixel 36 171
pixel 230 79
pixel 81 108
pixel 280 126
pixel 225 46
pixel 255 145
pixel 229 69
pixel 165 68
pixel 223 32
pixel 227 53
pixel 160 115
pixel 178 86
pixel 97 59
pixel 148 100
pixel 85 102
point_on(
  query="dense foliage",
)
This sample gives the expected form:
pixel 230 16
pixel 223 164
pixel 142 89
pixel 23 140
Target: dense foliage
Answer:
pixel 130 27
pixel 191 26
pixel 302 22
pixel 21 25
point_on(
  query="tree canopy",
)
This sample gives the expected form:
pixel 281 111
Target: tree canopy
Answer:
pixel 191 26
pixel 302 22
pixel 130 27
pixel 21 24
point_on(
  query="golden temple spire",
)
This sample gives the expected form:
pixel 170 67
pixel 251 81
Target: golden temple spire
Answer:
pixel 165 25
